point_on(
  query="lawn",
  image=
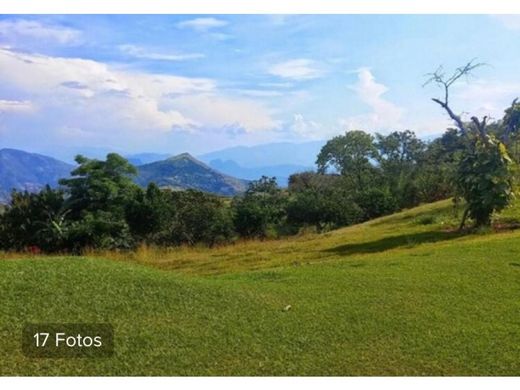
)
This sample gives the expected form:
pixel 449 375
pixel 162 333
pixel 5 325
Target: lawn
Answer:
pixel 401 295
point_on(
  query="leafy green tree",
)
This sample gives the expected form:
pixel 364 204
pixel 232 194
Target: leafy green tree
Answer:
pixel 35 220
pixel 313 181
pixel 201 218
pixel 325 208
pixel 100 185
pixel 484 174
pixel 484 178
pixel 375 202
pixel 400 154
pixel 261 210
pixel 151 213
pixel 511 120
pixel 510 129
pixel 99 193
pixel 398 149
pixel 351 155
pixel 99 229
pixel 437 171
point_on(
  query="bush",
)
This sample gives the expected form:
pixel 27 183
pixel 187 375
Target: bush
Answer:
pixel 375 203
pixel 426 220
pixel 324 209
pixel 260 210
pixel 484 178
pixel 34 220
pixel 99 230
pixel 151 213
pixel 200 218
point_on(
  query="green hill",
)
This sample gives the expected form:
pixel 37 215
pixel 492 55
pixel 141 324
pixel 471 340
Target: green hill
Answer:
pixel 186 172
pixel 401 295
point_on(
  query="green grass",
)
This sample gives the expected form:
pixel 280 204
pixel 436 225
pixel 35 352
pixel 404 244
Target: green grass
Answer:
pixel 401 295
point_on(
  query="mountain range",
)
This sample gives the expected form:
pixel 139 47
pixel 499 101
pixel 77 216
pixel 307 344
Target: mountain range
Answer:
pixel 280 160
pixel 224 172
pixel 29 171
pixel 280 172
pixel 269 155
pixel 21 170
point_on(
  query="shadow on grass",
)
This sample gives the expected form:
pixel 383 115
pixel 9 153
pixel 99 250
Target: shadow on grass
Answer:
pixel 392 242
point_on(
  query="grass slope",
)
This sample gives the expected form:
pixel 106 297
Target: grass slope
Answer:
pixel 402 295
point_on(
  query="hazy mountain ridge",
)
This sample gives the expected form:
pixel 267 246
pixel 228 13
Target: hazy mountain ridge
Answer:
pixel 146 158
pixel 29 171
pixel 268 155
pixel 281 172
pixel 225 172
pixel 22 170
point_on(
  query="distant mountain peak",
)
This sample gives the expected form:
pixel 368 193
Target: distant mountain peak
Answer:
pixel 184 156
pixel 184 171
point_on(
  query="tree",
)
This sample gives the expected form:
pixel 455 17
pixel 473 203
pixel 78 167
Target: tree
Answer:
pixel 349 154
pixel 99 193
pixel 400 154
pixel 484 179
pixel 323 207
pixel 35 220
pixel 200 218
pixel 399 148
pixel 511 128
pixel 260 210
pixel 313 181
pixel 484 174
pixel 100 185
pixel 151 213
pixel 375 202
pixel 437 169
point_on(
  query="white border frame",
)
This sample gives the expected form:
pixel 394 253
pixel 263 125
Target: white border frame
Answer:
pixel 259 6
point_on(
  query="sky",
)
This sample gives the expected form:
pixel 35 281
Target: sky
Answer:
pixel 198 83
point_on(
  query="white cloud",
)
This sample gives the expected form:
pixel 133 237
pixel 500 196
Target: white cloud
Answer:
pixel 306 128
pixel 202 24
pixel 259 93
pixel 276 85
pixel 212 110
pixel 384 114
pixel 297 69
pixel 511 22
pixel 143 53
pixel 15 106
pixel 107 103
pixel 483 97
pixel 11 29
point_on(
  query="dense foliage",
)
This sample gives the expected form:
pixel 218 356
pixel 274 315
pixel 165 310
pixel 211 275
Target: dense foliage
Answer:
pixel 484 178
pixel 100 207
pixel 484 175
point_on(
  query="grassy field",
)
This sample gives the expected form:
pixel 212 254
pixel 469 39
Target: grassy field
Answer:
pixel 401 295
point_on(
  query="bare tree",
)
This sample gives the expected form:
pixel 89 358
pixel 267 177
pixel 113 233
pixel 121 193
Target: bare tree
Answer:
pixel 483 176
pixel 444 81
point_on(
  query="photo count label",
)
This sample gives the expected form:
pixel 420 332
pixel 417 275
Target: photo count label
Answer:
pixel 68 340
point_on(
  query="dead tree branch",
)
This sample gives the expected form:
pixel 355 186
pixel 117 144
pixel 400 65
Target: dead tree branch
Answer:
pixel 440 78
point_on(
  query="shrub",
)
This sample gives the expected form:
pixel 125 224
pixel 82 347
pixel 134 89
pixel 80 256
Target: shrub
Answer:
pixel 375 203
pixel 260 210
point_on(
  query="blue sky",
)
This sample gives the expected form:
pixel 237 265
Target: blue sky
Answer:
pixel 198 83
